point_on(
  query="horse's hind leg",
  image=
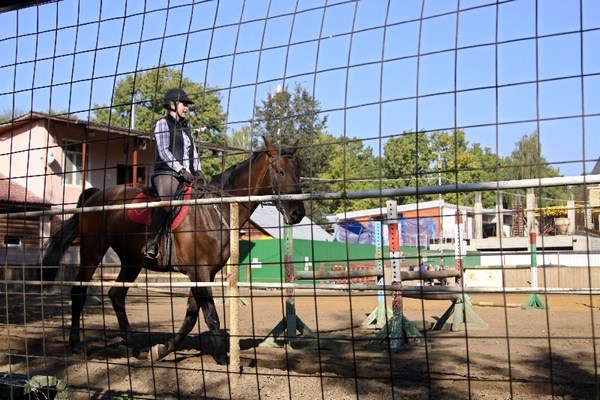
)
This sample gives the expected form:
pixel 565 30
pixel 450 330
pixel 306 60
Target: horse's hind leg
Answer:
pixel 117 297
pixel 78 298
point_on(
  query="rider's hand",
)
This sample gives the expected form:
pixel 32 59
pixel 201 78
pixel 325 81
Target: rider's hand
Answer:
pixel 200 178
pixel 187 175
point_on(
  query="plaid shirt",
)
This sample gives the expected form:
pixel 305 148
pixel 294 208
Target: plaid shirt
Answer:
pixel 162 136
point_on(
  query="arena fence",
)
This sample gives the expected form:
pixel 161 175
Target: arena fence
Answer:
pixel 458 120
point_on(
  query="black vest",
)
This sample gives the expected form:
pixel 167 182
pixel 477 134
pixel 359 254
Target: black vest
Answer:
pixel 176 131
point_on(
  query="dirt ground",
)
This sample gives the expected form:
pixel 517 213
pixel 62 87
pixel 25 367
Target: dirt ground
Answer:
pixel 521 354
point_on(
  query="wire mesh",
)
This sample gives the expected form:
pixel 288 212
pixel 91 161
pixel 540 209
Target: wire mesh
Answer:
pixel 477 117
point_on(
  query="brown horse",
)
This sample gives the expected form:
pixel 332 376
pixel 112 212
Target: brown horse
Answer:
pixel 200 242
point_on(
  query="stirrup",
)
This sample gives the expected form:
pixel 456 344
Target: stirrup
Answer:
pixel 150 249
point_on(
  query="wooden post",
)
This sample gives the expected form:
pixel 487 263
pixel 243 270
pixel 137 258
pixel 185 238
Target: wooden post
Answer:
pixel 234 310
pixel 134 167
pixel 83 164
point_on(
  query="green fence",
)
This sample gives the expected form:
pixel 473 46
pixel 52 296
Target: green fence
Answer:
pixel 262 260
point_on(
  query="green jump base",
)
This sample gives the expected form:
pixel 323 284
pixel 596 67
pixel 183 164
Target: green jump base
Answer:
pixel 287 328
pixel 534 302
pixel 400 332
pixel 463 316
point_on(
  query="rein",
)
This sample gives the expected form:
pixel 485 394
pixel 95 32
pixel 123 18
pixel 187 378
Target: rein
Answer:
pixel 278 204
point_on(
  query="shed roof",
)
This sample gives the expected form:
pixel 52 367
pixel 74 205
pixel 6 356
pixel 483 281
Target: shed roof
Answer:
pixel 270 220
pixel 32 117
pixel 13 192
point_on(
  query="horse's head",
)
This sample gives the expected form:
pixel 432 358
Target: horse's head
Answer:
pixel 283 177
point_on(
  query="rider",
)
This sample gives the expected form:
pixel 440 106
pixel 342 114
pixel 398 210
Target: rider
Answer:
pixel 177 160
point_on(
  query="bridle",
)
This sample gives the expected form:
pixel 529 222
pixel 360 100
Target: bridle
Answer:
pixel 273 176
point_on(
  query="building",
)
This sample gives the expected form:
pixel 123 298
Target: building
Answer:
pixel 433 225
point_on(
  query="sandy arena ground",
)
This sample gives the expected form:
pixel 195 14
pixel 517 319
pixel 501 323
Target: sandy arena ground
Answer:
pixel 523 354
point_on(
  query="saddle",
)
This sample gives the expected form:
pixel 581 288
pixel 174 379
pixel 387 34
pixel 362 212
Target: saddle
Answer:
pixel 149 195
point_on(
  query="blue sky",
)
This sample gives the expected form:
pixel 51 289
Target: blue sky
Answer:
pixel 498 71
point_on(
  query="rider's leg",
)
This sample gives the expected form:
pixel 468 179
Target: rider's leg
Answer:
pixel 159 217
pixel 166 185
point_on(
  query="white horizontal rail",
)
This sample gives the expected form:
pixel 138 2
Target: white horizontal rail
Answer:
pixel 408 191
pixel 323 286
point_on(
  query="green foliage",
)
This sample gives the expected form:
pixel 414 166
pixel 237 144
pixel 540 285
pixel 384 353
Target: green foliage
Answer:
pixel 286 117
pixel 352 167
pixel 147 88
pixel 407 163
pixel 459 162
pixel 527 162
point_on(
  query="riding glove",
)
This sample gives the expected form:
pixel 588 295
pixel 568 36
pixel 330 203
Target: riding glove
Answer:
pixel 200 178
pixel 187 175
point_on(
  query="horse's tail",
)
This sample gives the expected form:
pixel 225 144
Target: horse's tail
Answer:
pixel 59 242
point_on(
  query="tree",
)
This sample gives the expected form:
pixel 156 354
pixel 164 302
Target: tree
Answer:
pixel 407 163
pixel 285 117
pixel 146 90
pixel 527 162
pixel 353 167
pixel 461 162
pixel 7 115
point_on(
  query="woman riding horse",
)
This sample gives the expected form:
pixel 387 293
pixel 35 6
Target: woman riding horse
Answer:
pixel 200 242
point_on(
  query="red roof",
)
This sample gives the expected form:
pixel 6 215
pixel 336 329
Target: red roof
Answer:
pixel 13 192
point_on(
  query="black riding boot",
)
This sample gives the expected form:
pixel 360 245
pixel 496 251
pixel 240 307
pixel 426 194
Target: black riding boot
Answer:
pixel 159 217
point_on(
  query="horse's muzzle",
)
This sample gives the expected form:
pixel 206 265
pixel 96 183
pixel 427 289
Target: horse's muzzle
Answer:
pixel 294 215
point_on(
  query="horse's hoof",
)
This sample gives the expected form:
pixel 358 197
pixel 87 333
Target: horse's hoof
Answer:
pixel 221 359
pixel 129 352
pixel 135 352
pixel 157 352
pixel 76 348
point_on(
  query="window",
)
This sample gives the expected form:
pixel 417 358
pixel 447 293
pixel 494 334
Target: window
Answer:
pixel 73 162
pixel 12 240
pixel 125 174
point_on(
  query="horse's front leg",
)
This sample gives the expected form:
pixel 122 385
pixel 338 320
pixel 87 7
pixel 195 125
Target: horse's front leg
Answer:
pixel 191 317
pixel 202 297
pixel 211 317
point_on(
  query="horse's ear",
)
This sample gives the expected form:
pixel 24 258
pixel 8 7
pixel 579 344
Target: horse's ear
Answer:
pixel 271 150
pixel 292 150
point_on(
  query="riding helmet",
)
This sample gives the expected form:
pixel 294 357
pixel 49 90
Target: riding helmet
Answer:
pixel 177 95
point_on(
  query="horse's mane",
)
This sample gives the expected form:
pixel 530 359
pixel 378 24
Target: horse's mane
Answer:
pixel 225 179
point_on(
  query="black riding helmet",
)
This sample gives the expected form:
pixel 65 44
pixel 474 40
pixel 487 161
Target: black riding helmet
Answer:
pixel 177 95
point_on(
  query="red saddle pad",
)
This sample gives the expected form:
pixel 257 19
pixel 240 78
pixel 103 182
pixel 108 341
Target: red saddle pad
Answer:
pixel 143 215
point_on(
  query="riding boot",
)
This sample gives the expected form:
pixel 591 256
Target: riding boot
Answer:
pixel 159 217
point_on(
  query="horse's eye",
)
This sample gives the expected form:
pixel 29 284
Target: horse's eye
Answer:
pixel 281 173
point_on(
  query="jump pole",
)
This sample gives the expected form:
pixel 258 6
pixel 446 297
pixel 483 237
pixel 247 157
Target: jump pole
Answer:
pixel 399 329
pixel 290 322
pixel 534 301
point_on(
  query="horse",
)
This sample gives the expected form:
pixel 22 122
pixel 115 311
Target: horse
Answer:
pixel 200 242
